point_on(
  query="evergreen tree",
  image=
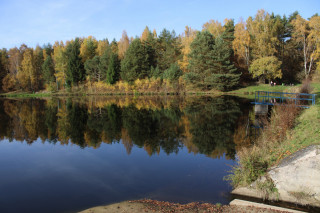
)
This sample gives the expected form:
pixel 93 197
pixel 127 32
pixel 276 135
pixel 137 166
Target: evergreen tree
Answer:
pixel 210 65
pixel 92 67
pixel 48 70
pixel 150 45
pixel 38 61
pixel 172 73
pixel 113 69
pixel 135 63
pixel 75 69
pixel 168 49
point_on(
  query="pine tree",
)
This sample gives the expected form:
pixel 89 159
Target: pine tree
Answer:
pixel 168 49
pixel 135 63
pixel 75 69
pixel 38 61
pixel 210 65
pixel 113 69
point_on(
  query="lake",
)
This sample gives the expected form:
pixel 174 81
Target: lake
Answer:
pixel 69 154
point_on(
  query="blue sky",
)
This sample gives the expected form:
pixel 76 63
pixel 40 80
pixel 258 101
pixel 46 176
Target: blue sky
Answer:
pixel 45 21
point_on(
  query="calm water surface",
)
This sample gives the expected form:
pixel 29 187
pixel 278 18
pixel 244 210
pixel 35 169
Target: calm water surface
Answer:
pixel 66 155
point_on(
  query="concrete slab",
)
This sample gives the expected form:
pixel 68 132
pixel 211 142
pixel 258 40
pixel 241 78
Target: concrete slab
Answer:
pixel 237 202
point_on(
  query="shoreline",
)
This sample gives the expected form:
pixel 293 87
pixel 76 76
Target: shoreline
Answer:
pixel 249 90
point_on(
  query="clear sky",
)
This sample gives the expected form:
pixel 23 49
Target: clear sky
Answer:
pixel 45 21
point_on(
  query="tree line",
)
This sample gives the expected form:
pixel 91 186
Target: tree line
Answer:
pixel 220 56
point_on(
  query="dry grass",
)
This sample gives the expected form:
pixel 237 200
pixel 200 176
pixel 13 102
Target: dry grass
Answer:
pixel 257 159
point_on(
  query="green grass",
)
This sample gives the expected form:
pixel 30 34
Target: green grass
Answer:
pixel 263 87
pixel 26 95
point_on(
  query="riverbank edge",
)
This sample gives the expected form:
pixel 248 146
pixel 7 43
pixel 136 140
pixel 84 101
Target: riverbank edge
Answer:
pixel 302 136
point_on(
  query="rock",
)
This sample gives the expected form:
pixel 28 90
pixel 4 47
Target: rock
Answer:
pixel 298 176
pixel 297 179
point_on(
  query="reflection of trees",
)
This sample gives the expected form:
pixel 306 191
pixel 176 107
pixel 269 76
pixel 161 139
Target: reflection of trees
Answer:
pixel 203 125
pixel 51 120
pixel 212 122
pixel 4 122
pixel 77 118
pixel 152 129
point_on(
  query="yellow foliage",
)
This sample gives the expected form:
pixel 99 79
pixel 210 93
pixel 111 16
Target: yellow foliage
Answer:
pixel 102 47
pixel 241 43
pixel 145 34
pixel 264 36
pixel 88 48
pixel 123 44
pixel 186 40
pixel 214 27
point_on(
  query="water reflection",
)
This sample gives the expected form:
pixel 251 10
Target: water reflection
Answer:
pixel 213 126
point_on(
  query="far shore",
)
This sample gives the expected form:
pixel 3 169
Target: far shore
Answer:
pixel 247 91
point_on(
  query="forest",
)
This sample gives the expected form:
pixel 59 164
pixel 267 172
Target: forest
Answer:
pixel 219 57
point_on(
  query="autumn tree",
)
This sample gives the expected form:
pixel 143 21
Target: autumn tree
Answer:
pixel 263 35
pixel 123 44
pixel 15 58
pixel 306 34
pixel 102 46
pixel 186 40
pixel 145 34
pixel 266 68
pixel 315 34
pixel 26 75
pixel 14 61
pixel 88 48
pixel 214 27
pixel 60 63
pixel 241 44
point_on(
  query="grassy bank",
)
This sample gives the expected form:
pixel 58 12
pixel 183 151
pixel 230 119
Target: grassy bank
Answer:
pixel 289 130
